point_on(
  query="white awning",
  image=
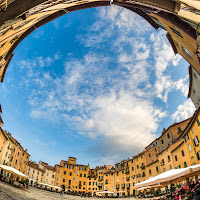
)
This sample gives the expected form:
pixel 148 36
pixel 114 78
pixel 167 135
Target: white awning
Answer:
pixel 52 186
pixel 171 175
pixel 105 192
pixel 12 170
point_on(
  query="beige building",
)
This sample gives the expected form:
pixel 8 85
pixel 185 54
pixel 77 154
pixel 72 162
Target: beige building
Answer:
pixel 35 174
pixel 49 173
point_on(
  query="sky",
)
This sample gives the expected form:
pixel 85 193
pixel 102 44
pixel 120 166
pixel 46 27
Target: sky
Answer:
pixel 98 84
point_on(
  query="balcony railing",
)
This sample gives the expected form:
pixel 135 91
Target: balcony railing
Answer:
pixel 162 163
pixel 142 167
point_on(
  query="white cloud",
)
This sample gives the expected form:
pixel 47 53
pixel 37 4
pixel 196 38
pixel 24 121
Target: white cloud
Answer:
pixel 110 98
pixel 184 111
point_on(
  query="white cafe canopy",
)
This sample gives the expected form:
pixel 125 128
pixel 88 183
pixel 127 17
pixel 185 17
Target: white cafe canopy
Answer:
pixel 171 175
pixel 52 186
pixel 105 192
pixel 12 170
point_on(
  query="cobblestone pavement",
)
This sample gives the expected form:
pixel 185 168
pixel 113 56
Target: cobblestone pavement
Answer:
pixel 9 192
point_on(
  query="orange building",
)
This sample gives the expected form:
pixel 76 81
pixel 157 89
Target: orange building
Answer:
pixel 72 176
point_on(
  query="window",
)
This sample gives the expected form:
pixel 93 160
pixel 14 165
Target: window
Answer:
pixel 162 141
pixel 176 159
pixel 57 178
pixel 149 155
pixel 168 136
pixel 187 53
pixel 198 122
pixel 64 172
pixel 198 155
pixel 70 173
pixel 185 164
pixel 169 158
pixel 186 138
pixel 196 141
pixel 71 167
pixel 84 175
pixel 176 32
pixel 63 180
pixel 192 130
pixel 189 147
pixel 158 22
pixel 132 168
pixel 182 152
pixel 80 175
pixel 58 171
pixel 157 168
pixel 150 171
pixel 137 166
pixel 69 182
pixel 176 44
pixel 170 167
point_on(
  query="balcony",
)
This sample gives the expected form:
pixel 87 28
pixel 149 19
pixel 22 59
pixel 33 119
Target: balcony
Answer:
pixel 101 179
pixel 127 172
pixel 142 167
pixel 162 163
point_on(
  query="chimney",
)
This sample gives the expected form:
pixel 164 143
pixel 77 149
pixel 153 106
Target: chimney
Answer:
pixel 163 131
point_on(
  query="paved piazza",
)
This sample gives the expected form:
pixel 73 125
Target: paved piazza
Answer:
pixel 9 192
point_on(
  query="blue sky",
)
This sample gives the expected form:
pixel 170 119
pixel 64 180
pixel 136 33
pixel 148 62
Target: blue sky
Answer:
pixel 98 84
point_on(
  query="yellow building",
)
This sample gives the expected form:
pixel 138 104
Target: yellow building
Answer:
pixel 92 182
pixel 19 156
pixel 123 179
pixel 191 136
pixel 6 145
pixel 153 169
pixel 109 180
pixel 72 176
pixel 180 155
